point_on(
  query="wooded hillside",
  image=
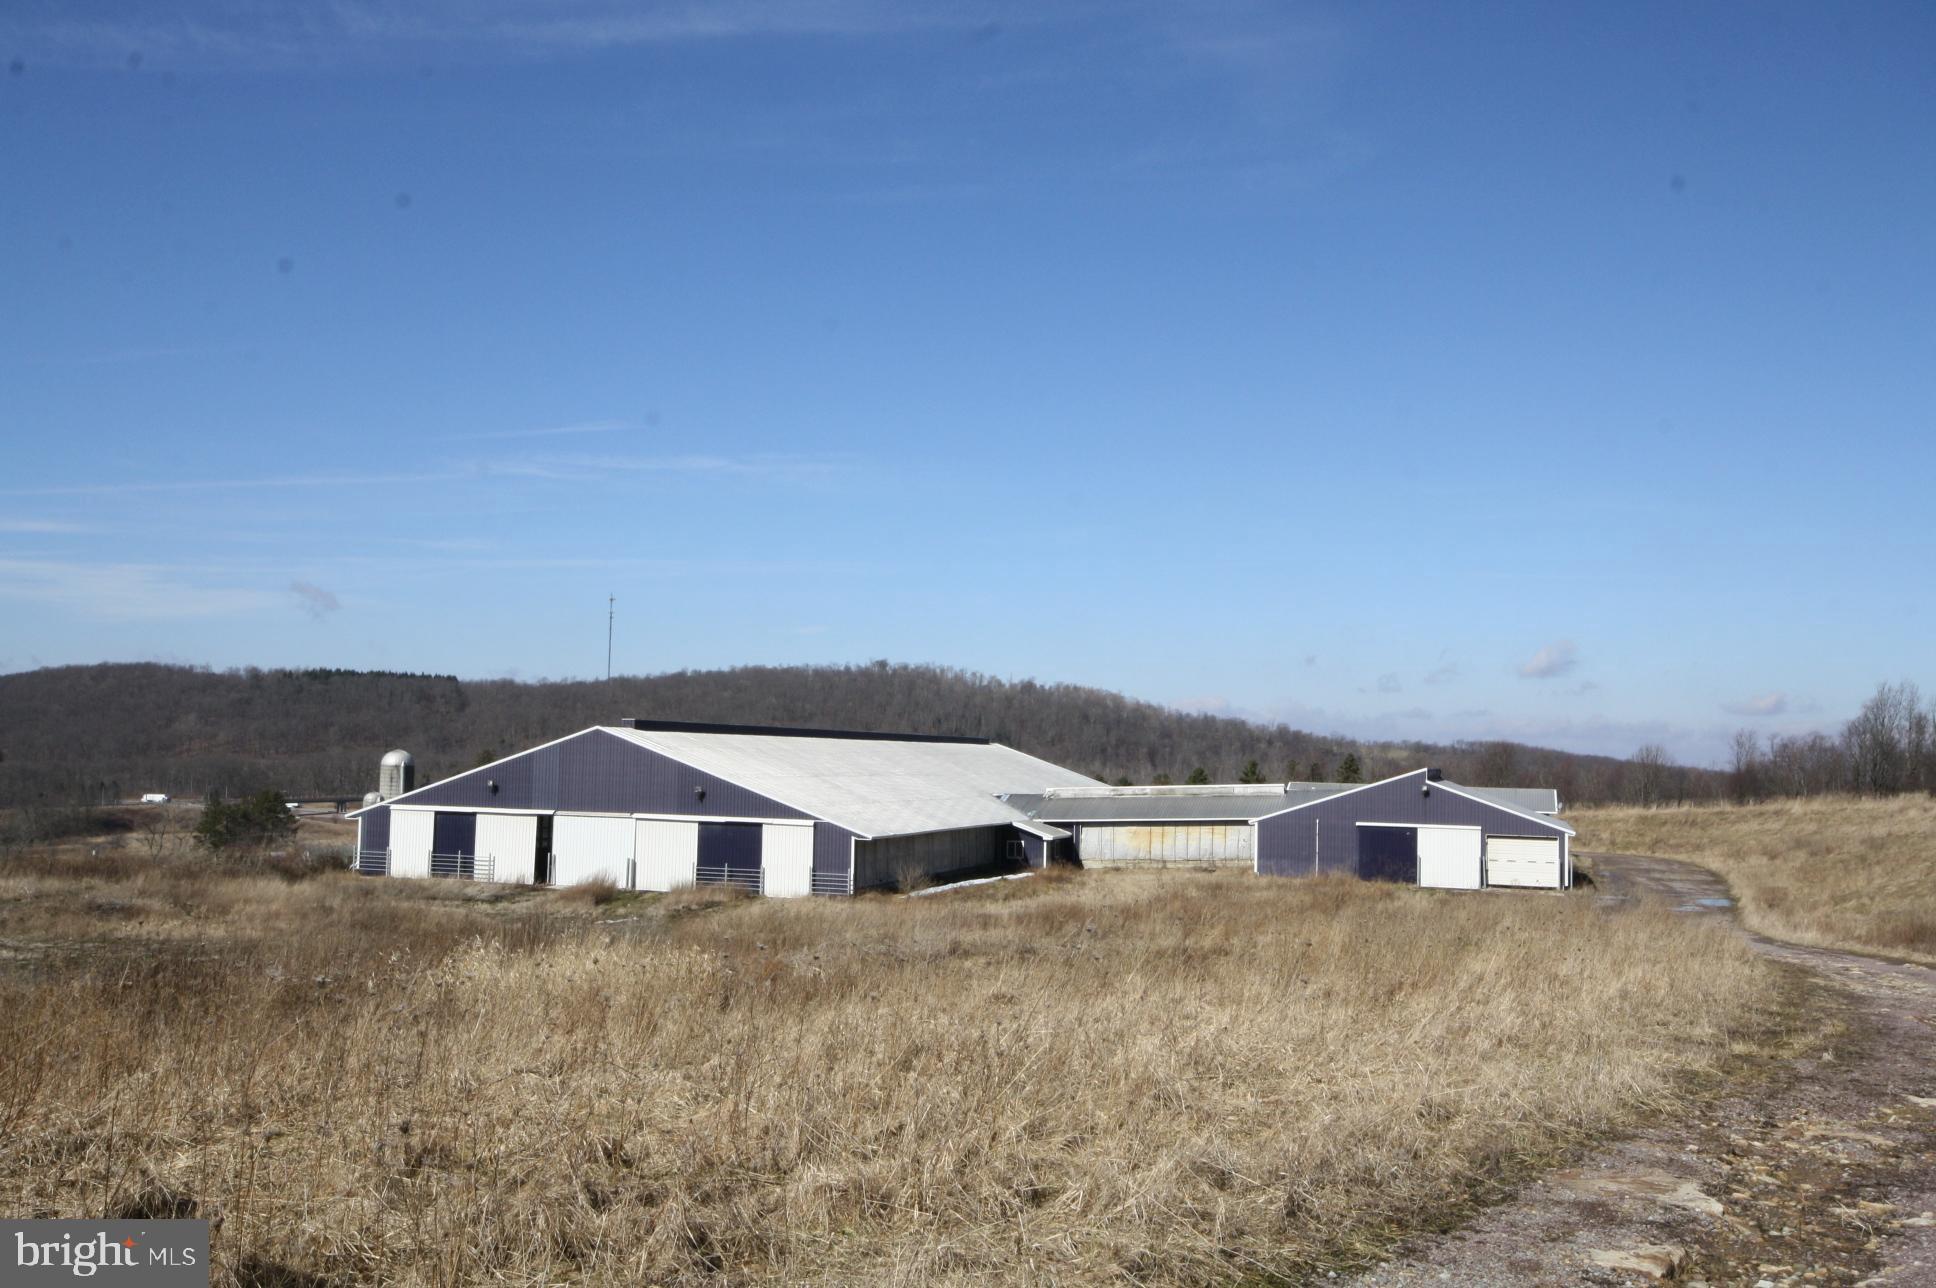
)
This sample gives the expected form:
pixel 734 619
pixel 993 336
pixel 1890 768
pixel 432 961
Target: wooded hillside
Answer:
pixel 86 733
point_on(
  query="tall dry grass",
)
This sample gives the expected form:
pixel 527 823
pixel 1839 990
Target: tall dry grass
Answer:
pixel 1835 871
pixel 1168 1078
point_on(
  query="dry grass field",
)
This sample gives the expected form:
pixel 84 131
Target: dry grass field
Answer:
pixel 1164 1078
pixel 1836 871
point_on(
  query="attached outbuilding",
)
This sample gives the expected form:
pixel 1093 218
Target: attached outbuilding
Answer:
pixel 656 805
pixel 1416 828
pixel 1420 829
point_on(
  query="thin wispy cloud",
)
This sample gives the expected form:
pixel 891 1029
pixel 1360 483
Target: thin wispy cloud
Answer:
pixel 1442 674
pixel 44 527
pixel 364 30
pixel 1556 659
pixel 136 486
pixel 126 591
pixel 563 466
pixel 550 431
pixel 1761 704
pixel 575 466
pixel 134 353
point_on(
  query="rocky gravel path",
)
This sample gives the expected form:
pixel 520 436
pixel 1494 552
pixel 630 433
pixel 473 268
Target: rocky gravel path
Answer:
pixel 1823 1174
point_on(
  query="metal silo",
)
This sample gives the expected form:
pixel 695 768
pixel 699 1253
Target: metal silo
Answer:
pixel 397 774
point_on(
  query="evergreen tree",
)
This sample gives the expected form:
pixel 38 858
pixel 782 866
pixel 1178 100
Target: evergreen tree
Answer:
pixel 1314 772
pixel 257 820
pixel 1251 773
pixel 1199 777
pixel 1348 771
pixel 1162 780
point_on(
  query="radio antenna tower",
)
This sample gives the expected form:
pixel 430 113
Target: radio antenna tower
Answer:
pixel 611 608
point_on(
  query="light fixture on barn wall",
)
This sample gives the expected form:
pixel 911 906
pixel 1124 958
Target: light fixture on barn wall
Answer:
pixel 491 785
pixel 699 793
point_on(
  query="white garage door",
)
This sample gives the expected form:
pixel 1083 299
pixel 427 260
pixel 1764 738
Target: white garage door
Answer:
pixel 591 849
pixel 506 846
pixel 667 853
pixel 1523 861
pixel 786 861
pixel 1448 857
pixel 410 842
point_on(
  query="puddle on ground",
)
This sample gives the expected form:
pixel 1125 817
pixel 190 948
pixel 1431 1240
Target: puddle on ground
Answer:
pixel 1703 905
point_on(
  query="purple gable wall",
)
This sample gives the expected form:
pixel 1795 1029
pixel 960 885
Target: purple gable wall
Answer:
pixel 1323 836
pixel 375 833
pixel 597 772
pixel 832 852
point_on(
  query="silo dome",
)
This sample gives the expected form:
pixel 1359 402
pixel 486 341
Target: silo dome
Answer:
pixel 372 798
pixel 396 774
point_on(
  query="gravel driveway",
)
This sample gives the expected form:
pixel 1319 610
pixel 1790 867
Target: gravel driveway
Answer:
pixel 1824 1173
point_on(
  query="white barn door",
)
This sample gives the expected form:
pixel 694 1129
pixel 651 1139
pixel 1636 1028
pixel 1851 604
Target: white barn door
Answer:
pixel 1448 857
pixel 786 861
pixel 410 831
pixel 591 849
pixel 667 854
pixel 506 846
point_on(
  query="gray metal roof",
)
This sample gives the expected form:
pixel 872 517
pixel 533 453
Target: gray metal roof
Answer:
pixel 1228 802
pixel 880 786
pixel 1527 800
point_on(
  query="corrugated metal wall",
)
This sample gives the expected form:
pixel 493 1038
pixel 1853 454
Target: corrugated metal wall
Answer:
pixel 787 861
pixel 597 772
pixel 666 854
pixel 1323 836
pixel 507 844
pixel 1106 845
pixel 1034 848
pixel 886 863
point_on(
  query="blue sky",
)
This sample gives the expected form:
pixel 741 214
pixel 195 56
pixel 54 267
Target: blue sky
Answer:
pixel 1550 372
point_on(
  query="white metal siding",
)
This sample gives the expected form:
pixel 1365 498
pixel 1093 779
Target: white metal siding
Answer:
pixel 410 831
pixel 1523 861
pixel 786 861
pixel 1448 857
pixel 591 849
pixel 668 853
pixel 506 845
pixel 1119 843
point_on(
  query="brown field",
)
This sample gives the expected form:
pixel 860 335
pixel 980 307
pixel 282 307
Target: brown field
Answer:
pixel 1836 871
pixel 1168 1078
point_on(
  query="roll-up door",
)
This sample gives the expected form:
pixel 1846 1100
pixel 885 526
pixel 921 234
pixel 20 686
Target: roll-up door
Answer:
pixel 1523 861
pixel 591 849
pixel 667 853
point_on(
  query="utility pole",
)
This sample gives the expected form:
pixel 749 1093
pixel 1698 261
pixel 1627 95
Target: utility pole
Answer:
pixel 611 607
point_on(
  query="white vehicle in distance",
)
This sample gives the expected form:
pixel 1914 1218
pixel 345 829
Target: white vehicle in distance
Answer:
pixel 154 798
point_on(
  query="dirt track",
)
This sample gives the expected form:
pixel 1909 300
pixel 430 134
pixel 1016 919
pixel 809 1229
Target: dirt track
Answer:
pixel 1825 1173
